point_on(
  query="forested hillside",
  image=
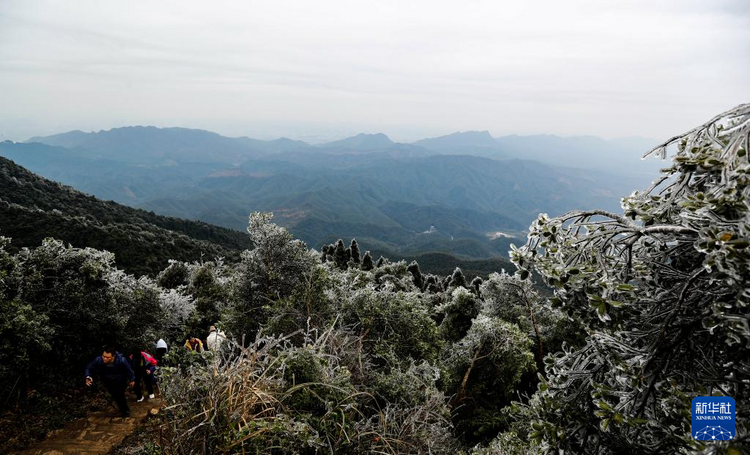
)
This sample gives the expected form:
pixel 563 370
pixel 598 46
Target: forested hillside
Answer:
pixel 33 208
pixel 332 351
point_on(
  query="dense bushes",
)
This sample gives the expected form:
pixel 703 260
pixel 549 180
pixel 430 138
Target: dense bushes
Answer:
pixel 59 306
pixel 352 357
pixel 345 359
pixel 273 396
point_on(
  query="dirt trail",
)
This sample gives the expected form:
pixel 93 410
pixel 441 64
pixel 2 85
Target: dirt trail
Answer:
pixel 96 434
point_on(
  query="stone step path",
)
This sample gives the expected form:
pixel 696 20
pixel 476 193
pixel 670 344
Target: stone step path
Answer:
pixel 96 434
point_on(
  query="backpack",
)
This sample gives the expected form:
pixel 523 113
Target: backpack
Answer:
pixel 149 358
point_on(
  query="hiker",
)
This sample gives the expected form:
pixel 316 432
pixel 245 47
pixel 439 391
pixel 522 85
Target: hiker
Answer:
pixel 215 339
pixel 116 373
pixel 194 344
pixel 144 367
pixel 161 349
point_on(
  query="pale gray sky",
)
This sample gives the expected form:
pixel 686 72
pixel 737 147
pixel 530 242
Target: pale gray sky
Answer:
pixel 326 69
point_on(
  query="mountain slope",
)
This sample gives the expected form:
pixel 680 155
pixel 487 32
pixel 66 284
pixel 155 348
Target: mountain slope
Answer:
pixel 32 208
pixel 109 179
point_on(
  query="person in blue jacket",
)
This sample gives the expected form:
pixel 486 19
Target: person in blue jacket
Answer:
pixel 115 370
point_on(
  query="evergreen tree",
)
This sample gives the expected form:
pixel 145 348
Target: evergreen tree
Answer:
pixel 269 272
pixel 432 284
pixel 483 371
pixel 475 284
pixel 416 275
pixel 339 255
pixel 458 313
pixel 367 264
pixel 458 278
pixel 355 251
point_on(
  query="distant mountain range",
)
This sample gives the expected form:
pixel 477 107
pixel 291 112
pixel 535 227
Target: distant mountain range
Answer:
pixel 585 152
pixel 466 193
pixel 151 145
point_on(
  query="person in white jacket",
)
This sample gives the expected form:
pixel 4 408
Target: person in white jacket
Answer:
pixel 215 339
pixel 161 349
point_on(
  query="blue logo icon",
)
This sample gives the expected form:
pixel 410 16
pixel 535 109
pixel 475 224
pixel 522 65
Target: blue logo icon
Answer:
pixel 713 418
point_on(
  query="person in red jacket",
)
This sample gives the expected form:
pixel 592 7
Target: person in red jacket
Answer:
pixel 116 373
pixel 144 367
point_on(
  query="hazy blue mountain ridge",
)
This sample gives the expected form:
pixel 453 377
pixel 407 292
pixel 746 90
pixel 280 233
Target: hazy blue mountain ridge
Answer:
pixel 365 185
pixel 151 145
pixel 585 152
pixel 109 179
pixel 362 142
pixel 277 145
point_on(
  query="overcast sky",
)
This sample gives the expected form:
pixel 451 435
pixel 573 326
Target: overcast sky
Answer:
pixel 327 69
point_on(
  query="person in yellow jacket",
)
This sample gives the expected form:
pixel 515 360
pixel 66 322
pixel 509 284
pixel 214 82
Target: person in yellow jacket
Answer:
pixel 194 344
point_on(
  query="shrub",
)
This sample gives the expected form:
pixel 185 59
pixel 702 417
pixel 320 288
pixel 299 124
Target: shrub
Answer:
pixel 657 287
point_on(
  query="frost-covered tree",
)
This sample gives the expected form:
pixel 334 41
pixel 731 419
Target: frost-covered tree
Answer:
pixel 513 300
pixel 324 253
pixel 476 283
pixel 392 326
pixel 416 275
pixel 278 261
pixel 207 285
pixel 394 274
pixel 458 314
pixel 138 308
pixel 177 309
pixel 457 279
pixel 174 276
pixel 354 247
pixel 269 272
pixel 24 332
pixel 340 255
pixel 307 307
pixel 367 262
pixel 664 295
pixel 433 284
pixel 483 371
